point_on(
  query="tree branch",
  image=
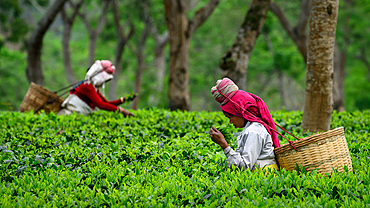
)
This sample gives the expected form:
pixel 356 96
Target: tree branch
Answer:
pixel 363 59
pixel 282 18
pixel 102 18
pixel 202 15
pixel 298 33
pixel 301 26
pixel 37 6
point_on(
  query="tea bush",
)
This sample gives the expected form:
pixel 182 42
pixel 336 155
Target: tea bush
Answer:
pixel 161 159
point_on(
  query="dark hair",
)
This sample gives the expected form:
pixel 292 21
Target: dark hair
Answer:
pixel 228 113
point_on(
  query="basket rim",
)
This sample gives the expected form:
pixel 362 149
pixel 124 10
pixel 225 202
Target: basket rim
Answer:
pixel 303 142
pixel 40 93
pixel 35 85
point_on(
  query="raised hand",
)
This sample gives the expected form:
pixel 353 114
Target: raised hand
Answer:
pixel 218 137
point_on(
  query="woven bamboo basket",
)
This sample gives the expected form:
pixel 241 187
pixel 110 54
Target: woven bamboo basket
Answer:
pixel 39 98
pixel 323 151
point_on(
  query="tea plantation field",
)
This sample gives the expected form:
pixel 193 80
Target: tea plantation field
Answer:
pixel 161 159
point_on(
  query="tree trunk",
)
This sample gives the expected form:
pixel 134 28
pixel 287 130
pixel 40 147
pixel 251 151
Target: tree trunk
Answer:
pixel 298 35
pixel 363 58
pixel 159 66
pixel 140 62
pixel 159 59
pixel 181 30
pixel 122 41
pixel 318 106
pixel 34 43
pixel 179 95
pixel 94 33
pixel 235 61
pixel 338 79
pixel 68 23
pixel 277 68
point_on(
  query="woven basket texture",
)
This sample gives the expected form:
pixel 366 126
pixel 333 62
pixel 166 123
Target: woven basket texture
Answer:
pixel 39 98
pixel 323 151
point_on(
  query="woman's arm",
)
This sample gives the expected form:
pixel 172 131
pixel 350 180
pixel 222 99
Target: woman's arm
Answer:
pixel 113 102
pixel 89 91
pixel 248 151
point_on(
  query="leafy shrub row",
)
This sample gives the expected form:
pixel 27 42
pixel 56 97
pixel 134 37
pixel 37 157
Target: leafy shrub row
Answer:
pixel 161 158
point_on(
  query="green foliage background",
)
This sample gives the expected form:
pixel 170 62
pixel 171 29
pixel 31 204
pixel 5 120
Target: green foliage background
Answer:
pixel 209 43
pixel 162 159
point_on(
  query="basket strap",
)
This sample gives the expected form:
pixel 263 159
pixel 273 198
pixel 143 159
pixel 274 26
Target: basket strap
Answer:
pixel 251 114
pixel 73 84
pixel 50 101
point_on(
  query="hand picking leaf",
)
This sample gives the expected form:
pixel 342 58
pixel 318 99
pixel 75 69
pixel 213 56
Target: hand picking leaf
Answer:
pixel 227 132
pixel 131 97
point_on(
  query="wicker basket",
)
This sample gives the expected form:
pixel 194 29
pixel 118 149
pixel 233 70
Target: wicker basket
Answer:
pixel 323 151
pixel 38 98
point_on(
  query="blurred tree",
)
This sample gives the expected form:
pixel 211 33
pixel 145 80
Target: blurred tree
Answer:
pixel 122 40
pixel 68 22
pixel 209 43
pixel 276 68
pixel 181 30
pixel 34 43
pixel 12 27
pixel 318 106
pixel 352 41
pixel 298 33
pixel 299 37
pixel 235 61
pixel 143 12
pixel 94 33
pixel 160 36
pixel 161 41
pixel 12 78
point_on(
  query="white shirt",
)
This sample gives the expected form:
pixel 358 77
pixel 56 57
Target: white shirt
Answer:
pixel 255 148
pixel 74 103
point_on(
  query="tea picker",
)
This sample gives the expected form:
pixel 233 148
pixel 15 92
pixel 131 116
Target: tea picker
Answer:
pixel 84 97
pixel 325 152
pixel 256 142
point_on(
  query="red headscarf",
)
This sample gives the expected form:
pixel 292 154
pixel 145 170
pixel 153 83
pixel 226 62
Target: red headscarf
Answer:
pixel 241 101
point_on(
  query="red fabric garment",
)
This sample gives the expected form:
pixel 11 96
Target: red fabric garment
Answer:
pixel 254 105
pixel 93 98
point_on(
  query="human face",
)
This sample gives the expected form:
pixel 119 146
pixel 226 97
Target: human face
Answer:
pixel 237 121
pixel 101 78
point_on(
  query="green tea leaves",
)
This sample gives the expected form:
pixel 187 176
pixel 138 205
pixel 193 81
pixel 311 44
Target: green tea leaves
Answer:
pixel 162 158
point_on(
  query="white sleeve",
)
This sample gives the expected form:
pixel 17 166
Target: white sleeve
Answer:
pixel 247 153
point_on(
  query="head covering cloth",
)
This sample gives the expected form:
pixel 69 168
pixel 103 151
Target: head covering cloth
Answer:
pixel 100 73
pixel 244 104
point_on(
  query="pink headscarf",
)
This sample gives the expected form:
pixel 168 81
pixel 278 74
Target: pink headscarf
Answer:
pixel 108 66
pixel 227 87
pixel 244 100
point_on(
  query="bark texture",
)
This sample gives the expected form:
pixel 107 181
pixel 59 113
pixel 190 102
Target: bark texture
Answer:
pixel 181 30
pixel 34 43
pixel 318 107
pixel 235 61
pixel 299 37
